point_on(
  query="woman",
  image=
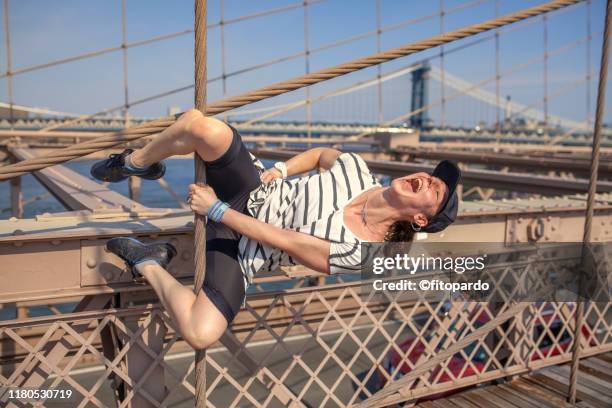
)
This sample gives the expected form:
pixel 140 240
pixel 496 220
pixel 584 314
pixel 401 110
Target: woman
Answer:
pixel 258 220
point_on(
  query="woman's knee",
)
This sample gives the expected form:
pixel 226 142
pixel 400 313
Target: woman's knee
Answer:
pixel 210 136
pixel 205 334
pixel 205 324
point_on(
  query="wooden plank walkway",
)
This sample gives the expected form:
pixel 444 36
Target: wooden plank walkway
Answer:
pixel 545 388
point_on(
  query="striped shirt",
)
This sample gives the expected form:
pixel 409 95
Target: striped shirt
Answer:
pixel 311 204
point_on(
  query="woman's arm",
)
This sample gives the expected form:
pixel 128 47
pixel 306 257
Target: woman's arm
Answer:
pixel 310 251
pixel 319 157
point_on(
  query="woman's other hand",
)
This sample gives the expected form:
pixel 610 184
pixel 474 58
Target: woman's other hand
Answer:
pixel 270 175
pixel 201 198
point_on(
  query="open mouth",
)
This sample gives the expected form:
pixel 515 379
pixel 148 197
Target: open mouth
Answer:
pixel 417 185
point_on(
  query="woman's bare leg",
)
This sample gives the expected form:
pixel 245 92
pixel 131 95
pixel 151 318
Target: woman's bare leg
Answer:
pixel 192 132
pixel 197 319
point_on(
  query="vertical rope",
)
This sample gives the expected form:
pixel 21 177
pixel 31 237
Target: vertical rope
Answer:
pixel 599 112
pixel 133 182
pixel 588 62
pixel 9 61
pixel 222 39
pixel 379 68
pixel 545 97
pixel 307 69
pixel 200 178
pixel 126 100
pixel 442 82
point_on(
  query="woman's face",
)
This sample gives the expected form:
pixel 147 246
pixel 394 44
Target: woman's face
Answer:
pixel 419 195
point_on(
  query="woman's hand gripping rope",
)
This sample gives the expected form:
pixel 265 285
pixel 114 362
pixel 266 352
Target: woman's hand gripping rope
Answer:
pixel 203 200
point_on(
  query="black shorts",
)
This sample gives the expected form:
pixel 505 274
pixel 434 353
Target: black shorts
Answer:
pixel 233 176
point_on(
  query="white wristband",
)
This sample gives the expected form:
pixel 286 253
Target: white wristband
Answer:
pixel 282 167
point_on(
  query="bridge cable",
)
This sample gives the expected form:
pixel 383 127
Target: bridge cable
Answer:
pixel 599 113
pixel 155 126
pixel 200 178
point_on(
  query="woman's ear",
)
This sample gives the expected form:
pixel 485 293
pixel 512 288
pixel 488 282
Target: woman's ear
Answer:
pixel 420 220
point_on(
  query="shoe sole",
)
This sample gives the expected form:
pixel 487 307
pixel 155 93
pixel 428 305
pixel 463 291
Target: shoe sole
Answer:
pixel 162 172
pixel 170 248
pixel 144 176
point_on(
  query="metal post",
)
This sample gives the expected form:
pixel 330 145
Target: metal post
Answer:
pixel 9 62
pixel 16 198
pixel 138 361
pixel 601 101
pixel 16 193
pixel 200 178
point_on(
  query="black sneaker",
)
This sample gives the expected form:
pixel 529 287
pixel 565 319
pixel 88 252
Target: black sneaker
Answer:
pixel 132 251
pixel 114 169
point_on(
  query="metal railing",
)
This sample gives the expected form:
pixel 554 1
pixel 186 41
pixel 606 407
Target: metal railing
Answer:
pixel 332 345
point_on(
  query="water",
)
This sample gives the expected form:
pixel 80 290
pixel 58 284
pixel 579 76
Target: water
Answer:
pixel 179 175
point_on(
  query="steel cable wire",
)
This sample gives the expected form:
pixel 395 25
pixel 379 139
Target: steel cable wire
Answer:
pixel 149 128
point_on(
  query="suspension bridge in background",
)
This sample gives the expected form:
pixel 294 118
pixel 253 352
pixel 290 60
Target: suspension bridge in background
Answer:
pixel 302 339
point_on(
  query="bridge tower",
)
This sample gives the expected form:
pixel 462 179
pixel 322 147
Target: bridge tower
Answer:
pixel 420 95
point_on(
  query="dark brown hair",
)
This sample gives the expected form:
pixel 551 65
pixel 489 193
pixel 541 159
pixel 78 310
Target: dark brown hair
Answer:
pixel 400 231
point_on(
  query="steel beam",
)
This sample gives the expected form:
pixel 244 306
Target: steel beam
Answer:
pixel 501 159
pixel 528 183
pixel 65 256
pixel 78 192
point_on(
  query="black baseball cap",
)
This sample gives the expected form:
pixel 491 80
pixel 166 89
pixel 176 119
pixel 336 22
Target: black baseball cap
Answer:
pixel 449 173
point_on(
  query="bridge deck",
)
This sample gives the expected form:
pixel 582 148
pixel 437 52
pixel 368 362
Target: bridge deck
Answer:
pixel 544 388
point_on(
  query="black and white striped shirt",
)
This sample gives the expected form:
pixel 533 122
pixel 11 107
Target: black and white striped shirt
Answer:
pixel 310 204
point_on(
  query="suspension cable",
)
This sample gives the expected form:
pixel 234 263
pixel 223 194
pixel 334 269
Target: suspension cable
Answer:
pixel 155 126
pixel 588 219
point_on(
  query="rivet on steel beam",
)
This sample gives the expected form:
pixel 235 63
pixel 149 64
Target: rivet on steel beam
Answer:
pixel 18 244
pixel 56 242
pixel 186 255
pixel 109 275
pixel 91 263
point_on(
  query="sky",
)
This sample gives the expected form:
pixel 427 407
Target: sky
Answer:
pixel 43 31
